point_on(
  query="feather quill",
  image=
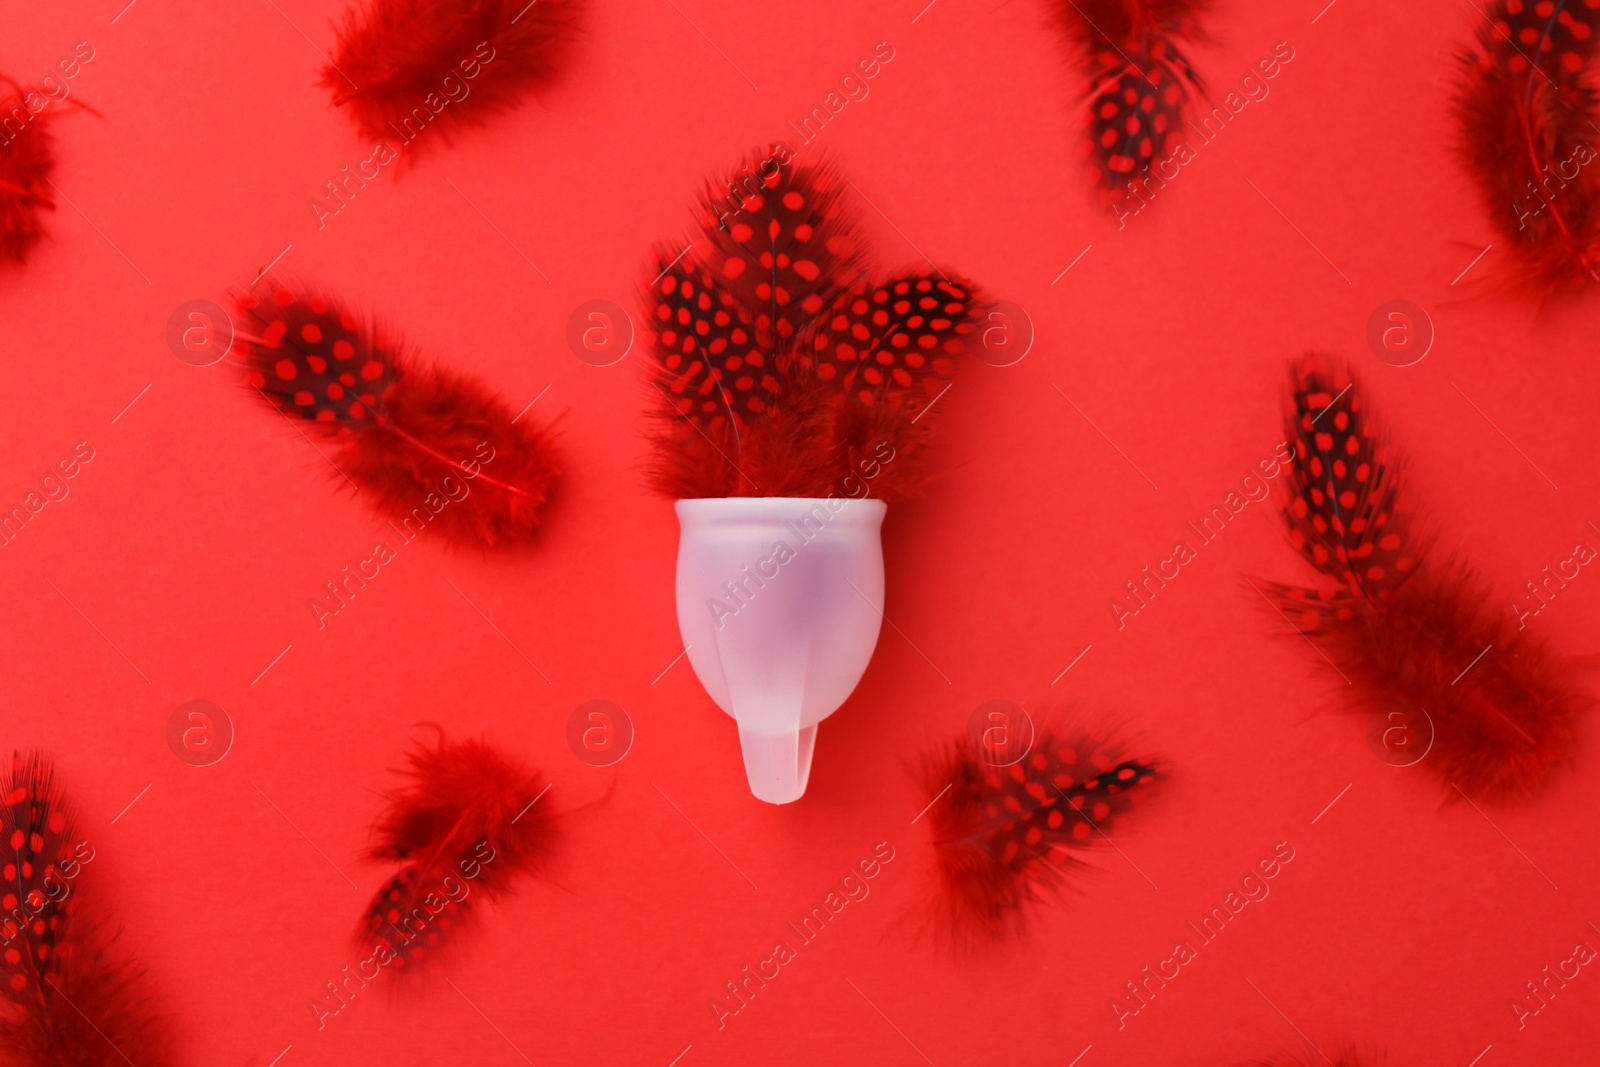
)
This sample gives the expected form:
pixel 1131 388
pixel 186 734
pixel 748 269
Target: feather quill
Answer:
pixel 782 367
pixel 1011 833
pixel 404 65
pixel 1133 54
pixel 27 156
pixel 408 432
pixel 467 827
pixel 1526 111
pixel 1402 625
pixel 66 998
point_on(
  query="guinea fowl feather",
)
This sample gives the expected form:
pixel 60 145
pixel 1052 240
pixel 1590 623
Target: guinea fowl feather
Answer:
pixel 1012 831
pixel 432 446
pixel 68 996
pixel 1405 627
pixel 468 826
pixel 782 366
pixel 1526 108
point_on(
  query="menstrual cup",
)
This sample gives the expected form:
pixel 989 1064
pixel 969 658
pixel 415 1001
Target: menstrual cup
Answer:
pixel 780 600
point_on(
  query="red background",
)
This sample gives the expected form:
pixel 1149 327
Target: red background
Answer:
pixel 196 536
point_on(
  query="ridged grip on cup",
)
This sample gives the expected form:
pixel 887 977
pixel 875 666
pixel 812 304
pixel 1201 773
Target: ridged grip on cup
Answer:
pixel 780 600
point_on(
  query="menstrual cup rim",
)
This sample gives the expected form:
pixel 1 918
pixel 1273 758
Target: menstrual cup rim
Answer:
pixel 861 509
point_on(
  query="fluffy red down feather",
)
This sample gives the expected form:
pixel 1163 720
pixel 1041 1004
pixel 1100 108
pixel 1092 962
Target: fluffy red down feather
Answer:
pixel 450 63
pixel 1011 830
pixel 1134 57
pixel 419 438
pixel 782 367
pixel 1527 111
pixel 67 997
pixel 468 826
pixel 26 159
pixel 1402 626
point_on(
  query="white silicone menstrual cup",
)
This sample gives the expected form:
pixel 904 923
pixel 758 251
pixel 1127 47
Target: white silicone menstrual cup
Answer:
pixel 780 600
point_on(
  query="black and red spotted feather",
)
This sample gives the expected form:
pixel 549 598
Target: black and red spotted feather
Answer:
pixel 414 435
pixel 781 366
pixel 66 998
pixel 1010 831
pixel 469 826
pixel 891 350
pixel 403 66
pixel 27 157
pixel 1528 129
pixel 1402 626
pixel 1133 53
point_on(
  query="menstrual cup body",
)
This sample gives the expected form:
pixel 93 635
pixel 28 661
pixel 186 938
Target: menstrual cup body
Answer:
pixel 780 600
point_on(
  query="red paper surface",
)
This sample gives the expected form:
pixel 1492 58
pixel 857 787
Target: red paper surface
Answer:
pixel 180 564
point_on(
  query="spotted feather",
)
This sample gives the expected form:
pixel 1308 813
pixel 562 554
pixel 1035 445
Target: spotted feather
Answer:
pixel 1402 627
pixel 1140 79
pixel 66 996
pixel 436 449
pixel 1005 836
pixel 315 361
pixel 1343 484
pixel 467 826
pixel 713 367
pixel 781 242
pixel 38 861
pixel 782 368
pixel 1526 108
